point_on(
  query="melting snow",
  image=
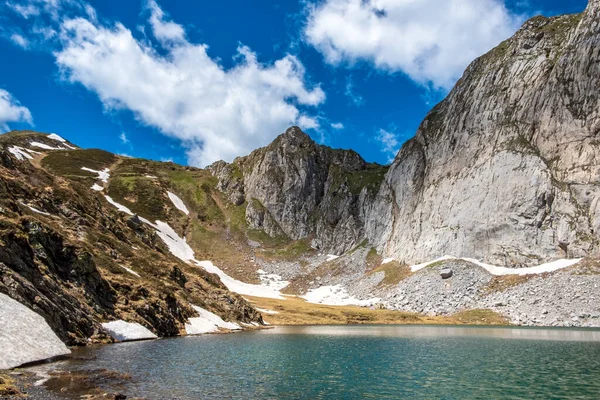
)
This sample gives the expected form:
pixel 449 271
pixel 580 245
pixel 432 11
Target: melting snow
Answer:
pixel 336 295
pixel 25 336
pixel 273 281
pixel 387 261
pixel 207 322
pixel 103 175
pixel 263 310
pixel 130 271
pixel 97 187
pixel 127 331
pixel 331 257
pixel 35 210
pixel 179 248
pixel 45 146
pixel 20 153
pixel 54 136
pixel 119 206
pixel 246 289
pixel 494 270
pixel 177 202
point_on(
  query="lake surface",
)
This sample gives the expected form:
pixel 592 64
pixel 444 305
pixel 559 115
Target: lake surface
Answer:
pixel 361 362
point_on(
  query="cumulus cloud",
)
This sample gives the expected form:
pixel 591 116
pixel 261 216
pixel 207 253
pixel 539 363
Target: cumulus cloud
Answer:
pixel 19 40
pixel 389 143
pixel 337 125
pixel 12 111
pixel 431 41
pixel 176 87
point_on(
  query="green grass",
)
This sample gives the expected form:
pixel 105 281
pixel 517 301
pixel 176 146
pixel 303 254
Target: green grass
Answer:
pixel 394 273
pixel 290 252
pixel 69 163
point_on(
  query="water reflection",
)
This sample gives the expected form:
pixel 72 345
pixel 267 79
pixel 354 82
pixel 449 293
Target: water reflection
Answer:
pixel 437 331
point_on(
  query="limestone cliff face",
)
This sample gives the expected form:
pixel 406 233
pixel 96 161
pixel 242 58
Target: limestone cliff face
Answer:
pixel 507 167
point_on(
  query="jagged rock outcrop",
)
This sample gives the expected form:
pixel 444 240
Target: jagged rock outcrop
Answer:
pixel 507 167
pixel 298 189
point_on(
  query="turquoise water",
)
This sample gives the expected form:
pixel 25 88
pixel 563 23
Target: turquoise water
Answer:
pixel 361 362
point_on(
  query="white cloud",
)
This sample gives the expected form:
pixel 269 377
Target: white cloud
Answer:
pixel 354 97
pixel 12 111
pixel 305 122
pixel 123 138
pixel 179 89
pixel 389 143
pixel 25 11
pixel 165 31
pixel 432 41
pixel 19 40
pixel 337 125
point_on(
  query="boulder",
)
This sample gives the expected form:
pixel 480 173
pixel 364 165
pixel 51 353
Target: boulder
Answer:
pixel 446 273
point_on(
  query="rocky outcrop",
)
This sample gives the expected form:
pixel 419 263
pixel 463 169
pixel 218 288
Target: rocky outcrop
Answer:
pixel 298 189
pixel 507 167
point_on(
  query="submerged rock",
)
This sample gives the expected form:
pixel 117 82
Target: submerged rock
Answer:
pixel 25 336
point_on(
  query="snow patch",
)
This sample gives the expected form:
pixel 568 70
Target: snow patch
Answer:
pixel 119 206
pixel 207 322
pixel 331 257
pixel 132 272
pixel 25 336
pixel 336 295
pixel 495 270
pixel 263 310
pixel 35 210
pixel 54 136
pixel 97 187
pixel 178 203
pixel 179 248
pixel 103 175
pixel 20 153
pixel 245 289
pixel 45 146
pixel 127 331
pixel 272 281
pixel 387 261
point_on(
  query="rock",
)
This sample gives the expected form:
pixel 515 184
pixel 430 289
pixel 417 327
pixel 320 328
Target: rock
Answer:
pixel 446 273
pixel 120 396
pixel 25 336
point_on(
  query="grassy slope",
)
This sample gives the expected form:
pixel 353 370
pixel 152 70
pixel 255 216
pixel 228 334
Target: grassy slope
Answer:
pixel 217 230
pixel 296 311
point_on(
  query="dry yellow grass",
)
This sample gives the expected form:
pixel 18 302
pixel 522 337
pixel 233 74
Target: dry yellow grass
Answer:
pixel 296 311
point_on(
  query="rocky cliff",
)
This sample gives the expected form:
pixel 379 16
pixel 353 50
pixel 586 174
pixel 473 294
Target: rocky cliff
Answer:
pixel 295 188
pixel 506 169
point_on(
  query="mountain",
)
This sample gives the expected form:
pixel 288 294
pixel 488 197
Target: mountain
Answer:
pixel 505 169
pixel 70 255
pixel 502 177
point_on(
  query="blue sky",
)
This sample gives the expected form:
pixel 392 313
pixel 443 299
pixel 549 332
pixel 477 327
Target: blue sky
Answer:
pixel 197 81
